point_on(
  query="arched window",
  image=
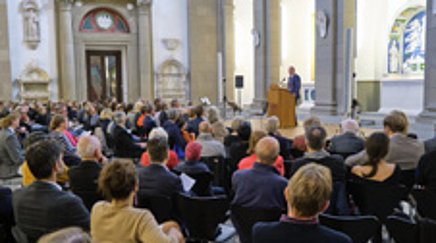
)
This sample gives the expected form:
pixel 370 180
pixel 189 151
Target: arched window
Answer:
pixel 406 47
pixel 104 20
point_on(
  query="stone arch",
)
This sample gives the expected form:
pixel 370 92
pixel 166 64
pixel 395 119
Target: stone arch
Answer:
pixel 401 56
pixel 104 19
pixel 172 81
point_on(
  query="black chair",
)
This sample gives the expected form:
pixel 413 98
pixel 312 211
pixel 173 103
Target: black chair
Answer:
pixel 374 199
pixel 202 186
pixel 244 219
pixel 221 171
pixel 401 229
pixel 202 217
pixel 359 228
pixel 160 207
pixel 426 201
pixel 89 198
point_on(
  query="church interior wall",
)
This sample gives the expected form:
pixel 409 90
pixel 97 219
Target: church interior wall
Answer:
pixel 170 21
pixel 5 77
pixel 44 56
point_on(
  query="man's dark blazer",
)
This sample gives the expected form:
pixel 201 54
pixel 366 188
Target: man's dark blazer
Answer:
pixel 125 146
pixel 347 143
pixel 42 208
pixel 334 162
pixel 175 137
pixel 83 182
pixel 192 167
pixel 285 145
pixel 156 180
pixel 6 213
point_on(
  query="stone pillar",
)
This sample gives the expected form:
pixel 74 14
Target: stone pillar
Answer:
pixel 330 56
pixel 267 51
pixel 146 83
pixel 5 66
pixel 429 113
pixel 203 48
pixel 68 82
pixel 230 49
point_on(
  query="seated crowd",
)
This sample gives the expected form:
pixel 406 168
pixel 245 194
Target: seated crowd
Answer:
pixel 93 171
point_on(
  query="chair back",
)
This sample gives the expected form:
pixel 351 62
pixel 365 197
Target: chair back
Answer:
pixel 359 228
pixel 203 181
pixel 244 219
pixel 426 201
pixel 401 229
pixel 221 171
pixel 202 215
pixel 375 199
pixel 161 207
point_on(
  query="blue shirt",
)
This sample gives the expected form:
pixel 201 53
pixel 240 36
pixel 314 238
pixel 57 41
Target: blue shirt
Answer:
pixel 259 188
pixel 294 85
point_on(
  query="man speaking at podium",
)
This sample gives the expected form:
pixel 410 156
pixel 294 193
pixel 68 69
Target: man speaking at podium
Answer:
pixel 294 84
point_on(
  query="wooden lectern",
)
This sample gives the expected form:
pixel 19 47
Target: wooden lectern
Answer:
pixel 281 103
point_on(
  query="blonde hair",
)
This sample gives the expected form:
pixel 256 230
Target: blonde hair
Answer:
pixel 255 137
pixel 56 121
pixel 106 114
pixel 8 120
pixel 309 190
pixel 67 235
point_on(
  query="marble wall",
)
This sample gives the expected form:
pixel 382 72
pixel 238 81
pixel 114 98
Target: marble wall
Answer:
pixel 5 75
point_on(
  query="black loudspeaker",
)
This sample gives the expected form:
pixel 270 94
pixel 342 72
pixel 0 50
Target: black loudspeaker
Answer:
pixel 239 81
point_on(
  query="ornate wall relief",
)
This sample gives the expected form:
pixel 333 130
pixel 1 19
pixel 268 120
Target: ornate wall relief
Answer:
pixel 31 25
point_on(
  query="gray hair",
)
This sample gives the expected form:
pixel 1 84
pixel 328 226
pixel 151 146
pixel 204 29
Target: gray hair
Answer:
pixel 213 114
pixel 119 117
pixel 158 132
pixel 87 146
pixel 349 125
pixel 272 124
pixel 236 123
pixel 173 113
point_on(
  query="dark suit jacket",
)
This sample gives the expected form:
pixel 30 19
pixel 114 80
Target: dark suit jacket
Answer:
pixel 175 137
pixel 83 182
pixel 11 153
pixel 192 167
pixel 347 143
pixel 193 125
pixel 42 208
pixel 148 124
pixel 426 171
pixel 157 180
pixel 285 145
pixel 6 213
pixel 334 162
pixel 125 146
pixel 259 188
pixel 296 232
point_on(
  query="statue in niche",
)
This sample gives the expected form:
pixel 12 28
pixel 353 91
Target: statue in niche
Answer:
pixel 31 26
pixel 322 23
pixel 394 57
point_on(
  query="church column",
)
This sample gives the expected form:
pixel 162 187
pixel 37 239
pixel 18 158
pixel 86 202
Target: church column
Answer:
pixel 230 49
pixel 429 112
pixel 66 46
pixel 146 79
pixel 5 67
pixel 267 49
pixel 330 55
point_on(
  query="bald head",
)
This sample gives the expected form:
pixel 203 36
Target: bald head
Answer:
pixel 89 148
pixel 267 150
pixel 205 127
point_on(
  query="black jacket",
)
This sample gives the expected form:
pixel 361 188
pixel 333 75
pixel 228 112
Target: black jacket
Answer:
pixel 125 146
pixel 83 182
pixel 156 180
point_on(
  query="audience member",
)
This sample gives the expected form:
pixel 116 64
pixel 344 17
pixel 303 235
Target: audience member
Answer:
pixel 218 129
pixel 58 126
pixel 160 133
pixel 192 164
pixel 376 169
pixel 403 150
pixel 6 213
pixel 43 207
pixel 426 171
pixel 239 150
pixel 307 195
pixel 118 220
pixel 195 122
pixel 315 141
pixel 125 144
pixel 249 161
pixel 233 137
pixel 299 144
pixel 262 186
pixel 348 143
pixel 11 152
pixel 67 235
pixel 148 123
pixel 83 178
pixel 272 128
pixel 211 147
pixel 175 138
pixel 156 179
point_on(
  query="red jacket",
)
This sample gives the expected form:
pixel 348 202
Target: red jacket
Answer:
pixel 248 162
pixel 172 160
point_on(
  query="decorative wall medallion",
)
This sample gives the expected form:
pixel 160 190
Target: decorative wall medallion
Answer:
pixel 104 20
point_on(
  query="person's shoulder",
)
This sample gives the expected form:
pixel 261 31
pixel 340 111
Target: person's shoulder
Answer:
pixel 264 227
pixel 334 236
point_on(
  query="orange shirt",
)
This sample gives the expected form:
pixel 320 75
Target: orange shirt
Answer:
pixel 248 162
pixel 171 164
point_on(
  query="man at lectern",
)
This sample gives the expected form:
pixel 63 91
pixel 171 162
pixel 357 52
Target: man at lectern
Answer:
pixel 294 83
